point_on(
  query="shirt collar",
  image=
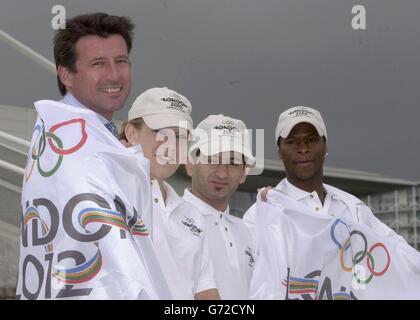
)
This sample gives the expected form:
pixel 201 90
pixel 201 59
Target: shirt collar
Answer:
pixel 71 100
pixel 136 150
pixel 335 193
pixel 173 200
pixel 205 208
pixel 298 194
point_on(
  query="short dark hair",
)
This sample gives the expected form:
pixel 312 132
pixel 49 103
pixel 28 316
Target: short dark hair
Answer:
pixel 99 24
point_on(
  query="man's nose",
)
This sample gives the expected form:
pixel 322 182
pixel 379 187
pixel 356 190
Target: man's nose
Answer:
pixel 113 72
pixel 222 171
pixel 303 147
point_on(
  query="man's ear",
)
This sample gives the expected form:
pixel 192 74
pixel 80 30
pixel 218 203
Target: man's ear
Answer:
pixel 189 168
pixel 245 174
pixel 131 134
pixel 279 153
pixel 279 147
pixel 326 146
pixel 65 76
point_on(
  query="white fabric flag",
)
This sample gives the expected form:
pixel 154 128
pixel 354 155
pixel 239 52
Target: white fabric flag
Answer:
pixel 301 255
pixel 84 201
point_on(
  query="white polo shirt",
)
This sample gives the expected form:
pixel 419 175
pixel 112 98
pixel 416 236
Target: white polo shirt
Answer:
pixel 337 203
pixel 179 239
pixel 230 248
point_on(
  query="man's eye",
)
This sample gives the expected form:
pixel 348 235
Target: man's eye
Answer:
pixel 122 61
pixel 98 63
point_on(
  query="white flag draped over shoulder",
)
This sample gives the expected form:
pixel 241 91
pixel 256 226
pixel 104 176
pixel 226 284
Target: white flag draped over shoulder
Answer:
pixel 84 201
pixel 302 255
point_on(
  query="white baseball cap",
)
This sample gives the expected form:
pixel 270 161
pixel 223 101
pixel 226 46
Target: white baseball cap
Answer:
pixel 162 108
pixel 219 133
pixel 295 115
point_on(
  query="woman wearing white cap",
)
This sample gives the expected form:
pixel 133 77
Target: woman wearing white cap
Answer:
pixel 159 120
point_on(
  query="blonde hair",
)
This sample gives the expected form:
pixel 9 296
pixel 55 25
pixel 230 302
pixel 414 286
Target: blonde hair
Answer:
pixel 137 123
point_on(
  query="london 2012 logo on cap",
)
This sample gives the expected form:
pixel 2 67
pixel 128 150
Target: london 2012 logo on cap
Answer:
pixel 227 127
pixel 175 102
pixel 301 112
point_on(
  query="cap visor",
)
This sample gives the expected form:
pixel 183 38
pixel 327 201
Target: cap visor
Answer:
pixel 214 148
pixel 156 122
pixel 287 129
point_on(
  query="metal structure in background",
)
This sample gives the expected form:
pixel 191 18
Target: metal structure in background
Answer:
pixel 28 52
pixel 13 151
pixel 400 210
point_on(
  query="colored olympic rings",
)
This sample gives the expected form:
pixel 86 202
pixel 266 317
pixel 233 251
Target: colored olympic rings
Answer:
pixel 360 255
pixel 82 141
pixel 56 145
pixel 32 154
pixel 346 246
pixel 371 267
pixel 43 173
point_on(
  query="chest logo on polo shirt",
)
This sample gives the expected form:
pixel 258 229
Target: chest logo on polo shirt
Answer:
pixel 190 224
pixel 251 257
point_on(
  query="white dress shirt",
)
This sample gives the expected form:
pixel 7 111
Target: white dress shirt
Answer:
pixel 180 241
pixel 337 203
pixel 230 249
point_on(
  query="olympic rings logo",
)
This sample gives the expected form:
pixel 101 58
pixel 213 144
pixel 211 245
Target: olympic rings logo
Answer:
pixel 360 255
pixel 55 144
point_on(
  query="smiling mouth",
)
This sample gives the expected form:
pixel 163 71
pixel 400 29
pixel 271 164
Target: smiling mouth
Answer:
pixel 112 90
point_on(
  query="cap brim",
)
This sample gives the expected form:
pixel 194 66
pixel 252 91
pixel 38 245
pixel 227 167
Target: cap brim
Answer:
pixel 160 121
pixel 284 133
pixel 211 149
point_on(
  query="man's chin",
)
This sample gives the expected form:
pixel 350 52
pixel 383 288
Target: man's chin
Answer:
pixel 115 107
pixel 219 194
pixel 305 176
pixel 113 104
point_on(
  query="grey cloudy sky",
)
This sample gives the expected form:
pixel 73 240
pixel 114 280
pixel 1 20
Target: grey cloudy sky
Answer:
pixel 251 59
